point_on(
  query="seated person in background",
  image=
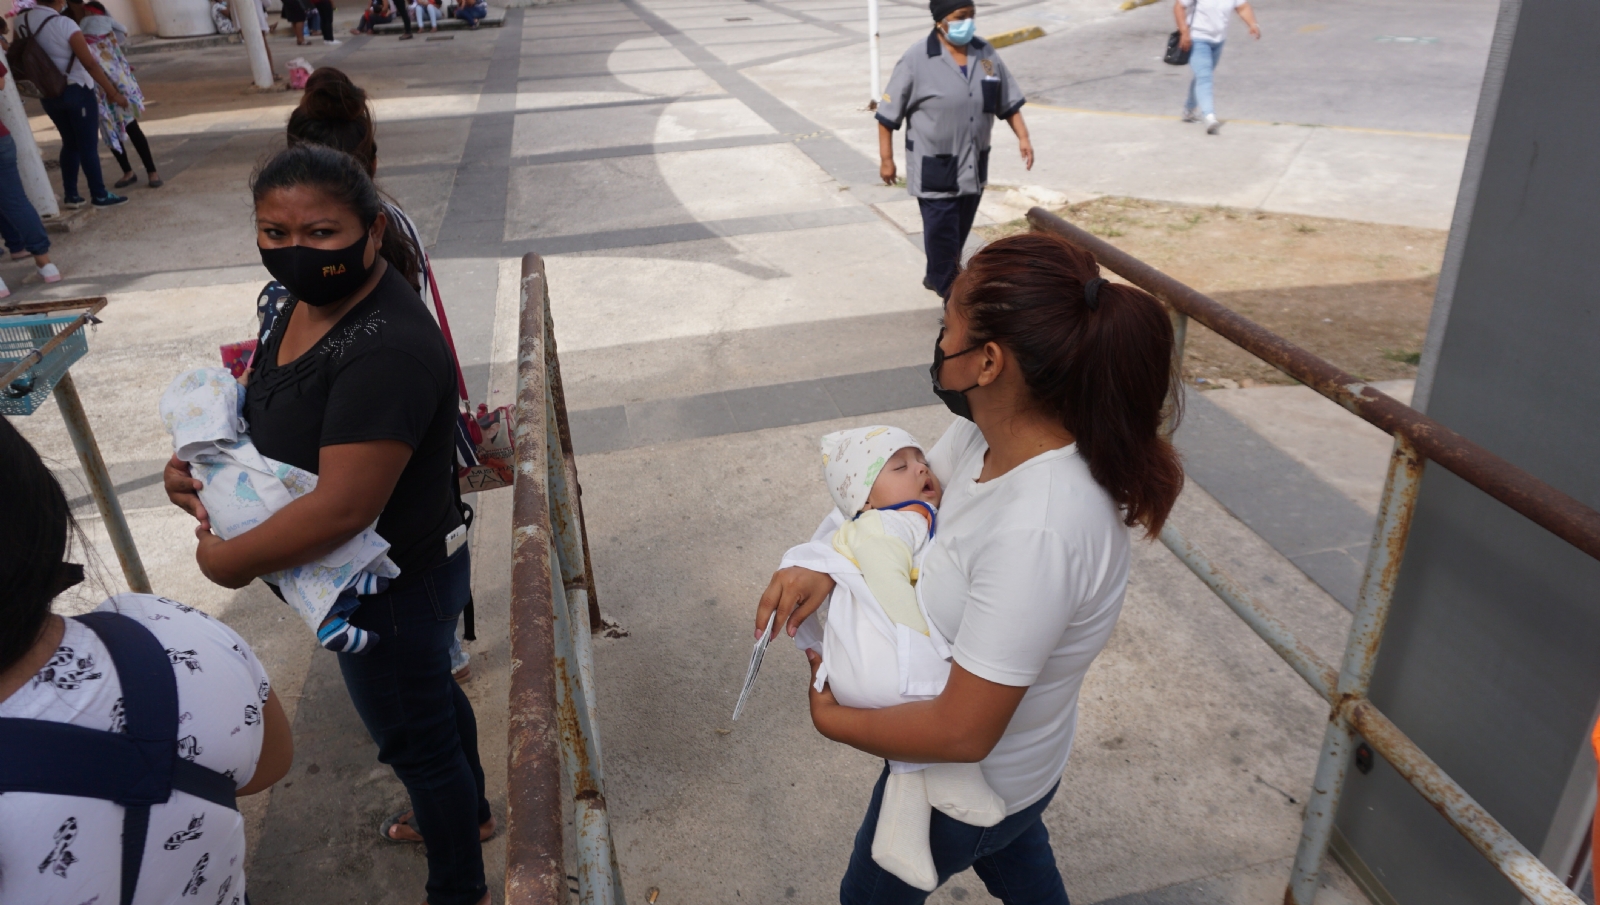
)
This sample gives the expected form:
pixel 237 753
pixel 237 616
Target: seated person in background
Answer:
pixel 379 12
pixel 425 9
pixel 472 12
pixel 75 693
pixel 877 647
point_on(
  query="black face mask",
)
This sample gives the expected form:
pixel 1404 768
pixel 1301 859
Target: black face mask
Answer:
pixel 319 276
pixel 954 400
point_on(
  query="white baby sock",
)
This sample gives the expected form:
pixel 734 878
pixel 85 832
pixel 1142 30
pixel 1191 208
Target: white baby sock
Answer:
pixel 900 842
pixel 960 791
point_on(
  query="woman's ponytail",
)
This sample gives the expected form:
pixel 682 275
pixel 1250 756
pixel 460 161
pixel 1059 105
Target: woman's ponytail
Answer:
pixel 1097 355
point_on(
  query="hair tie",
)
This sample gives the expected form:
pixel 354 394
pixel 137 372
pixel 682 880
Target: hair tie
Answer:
pixel 1091 293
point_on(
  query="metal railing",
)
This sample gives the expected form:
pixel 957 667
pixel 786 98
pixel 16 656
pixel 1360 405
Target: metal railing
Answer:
pixel 553 724
pixel 1417 440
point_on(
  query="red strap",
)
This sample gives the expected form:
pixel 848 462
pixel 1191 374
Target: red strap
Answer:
pixel 444 327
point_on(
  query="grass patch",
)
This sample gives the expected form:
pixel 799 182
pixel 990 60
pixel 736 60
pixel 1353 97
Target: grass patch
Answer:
pixel 1401 356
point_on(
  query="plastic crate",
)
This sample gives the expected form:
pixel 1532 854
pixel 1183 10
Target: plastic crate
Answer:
pixel 22 335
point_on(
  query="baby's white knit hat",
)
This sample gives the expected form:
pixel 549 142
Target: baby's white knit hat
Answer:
pixel 851 460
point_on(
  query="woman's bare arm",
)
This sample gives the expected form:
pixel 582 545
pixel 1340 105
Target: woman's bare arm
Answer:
pixel 961 725
pixel 795 594
pixel 354 482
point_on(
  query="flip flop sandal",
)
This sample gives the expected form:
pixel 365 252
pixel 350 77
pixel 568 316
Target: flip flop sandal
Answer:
pixel 401 819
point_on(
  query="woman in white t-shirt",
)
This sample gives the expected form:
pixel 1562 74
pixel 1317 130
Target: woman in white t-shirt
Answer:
pixel 76 112
pixel 1060 379
pixel 62 681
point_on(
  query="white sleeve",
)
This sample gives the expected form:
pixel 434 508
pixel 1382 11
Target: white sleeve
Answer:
pixel 1026 586
pixel 908 525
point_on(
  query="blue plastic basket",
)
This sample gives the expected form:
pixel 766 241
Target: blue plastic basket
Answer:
pixel 22 335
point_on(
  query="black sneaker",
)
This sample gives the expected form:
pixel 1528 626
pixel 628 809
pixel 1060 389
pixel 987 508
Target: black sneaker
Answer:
pixel 110 200
pixel 407 36
pixel 73 201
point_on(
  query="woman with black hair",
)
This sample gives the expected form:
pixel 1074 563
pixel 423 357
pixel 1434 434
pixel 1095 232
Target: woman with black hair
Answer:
pixel 78 700
pixel 354 383
pixel 1060 382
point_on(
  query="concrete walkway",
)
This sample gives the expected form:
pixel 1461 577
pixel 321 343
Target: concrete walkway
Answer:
pixel 728 283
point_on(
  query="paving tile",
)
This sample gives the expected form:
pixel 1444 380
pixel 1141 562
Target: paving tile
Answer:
pixel 599 430
pixel 881 391
pixel 779 405
pixel 685 418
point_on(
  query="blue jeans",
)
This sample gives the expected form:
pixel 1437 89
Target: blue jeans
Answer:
pixel 19 222
pixel 76 114
pixel 1203 59
pixel 946 223
pixel 472 13
pixel 1013 858
pixel 422 722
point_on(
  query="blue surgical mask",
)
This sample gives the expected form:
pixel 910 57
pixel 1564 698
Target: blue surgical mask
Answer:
pixel 960 31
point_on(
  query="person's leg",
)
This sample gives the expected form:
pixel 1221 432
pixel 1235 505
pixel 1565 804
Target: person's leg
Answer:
pixel 864 882
pixel 59 112
pixel 83 109
pixel 941 242
pixel 1024 872
pixel 405 16
pixel 325 13
pixel 422 722
pixel 1202 62
pixel 125 163
pixel 142 145
pixel 22 228
pixel 966 212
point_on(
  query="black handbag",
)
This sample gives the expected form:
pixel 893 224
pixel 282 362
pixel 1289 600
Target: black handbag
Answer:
pixel 1176 55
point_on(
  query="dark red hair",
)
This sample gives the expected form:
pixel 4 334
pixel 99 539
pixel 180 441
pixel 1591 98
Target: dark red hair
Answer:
pixel 1106 373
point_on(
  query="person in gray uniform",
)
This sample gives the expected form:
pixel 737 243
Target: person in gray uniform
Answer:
pixel 948 90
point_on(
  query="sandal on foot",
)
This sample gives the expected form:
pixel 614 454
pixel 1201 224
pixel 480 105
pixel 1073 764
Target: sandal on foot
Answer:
pixel 404 819
pixel 125 181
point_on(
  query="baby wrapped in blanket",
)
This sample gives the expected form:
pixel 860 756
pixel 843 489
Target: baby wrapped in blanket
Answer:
pixel 202 409
pixel 878 649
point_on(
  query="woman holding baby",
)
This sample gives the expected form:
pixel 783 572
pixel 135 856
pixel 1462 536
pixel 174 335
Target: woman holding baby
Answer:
pixel 1060 381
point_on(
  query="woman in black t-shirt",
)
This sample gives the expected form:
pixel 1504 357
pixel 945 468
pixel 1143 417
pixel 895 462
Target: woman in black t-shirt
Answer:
pixel 355 383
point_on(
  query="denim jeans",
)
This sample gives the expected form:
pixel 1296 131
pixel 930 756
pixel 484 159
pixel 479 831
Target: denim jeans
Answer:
pixel 19 222
pixel 1203 61
pixel 422 722
pixel 1013 858
pixel 76 114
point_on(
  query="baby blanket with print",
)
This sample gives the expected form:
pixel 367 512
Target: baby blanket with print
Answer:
pixel 203 410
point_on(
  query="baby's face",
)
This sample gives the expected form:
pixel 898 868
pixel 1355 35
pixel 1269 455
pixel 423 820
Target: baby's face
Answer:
pixel 905 476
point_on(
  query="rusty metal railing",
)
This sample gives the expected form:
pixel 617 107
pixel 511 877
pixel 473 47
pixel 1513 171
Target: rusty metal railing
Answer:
pixel 553 724
pixel 1417 440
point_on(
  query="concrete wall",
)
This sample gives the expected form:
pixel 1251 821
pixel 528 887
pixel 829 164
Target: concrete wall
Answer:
pixel 1492 658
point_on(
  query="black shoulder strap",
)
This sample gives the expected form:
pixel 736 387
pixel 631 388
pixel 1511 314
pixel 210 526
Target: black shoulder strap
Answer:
pixel 137 768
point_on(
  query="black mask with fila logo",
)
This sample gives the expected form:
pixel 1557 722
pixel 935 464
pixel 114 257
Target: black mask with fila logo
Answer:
pixel 318 276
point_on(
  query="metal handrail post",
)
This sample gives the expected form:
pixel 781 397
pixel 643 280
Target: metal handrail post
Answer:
pixel 105 494
pixel 1360 655
pixel 569 459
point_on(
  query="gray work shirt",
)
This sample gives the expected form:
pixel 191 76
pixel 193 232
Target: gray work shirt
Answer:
pixel 949 116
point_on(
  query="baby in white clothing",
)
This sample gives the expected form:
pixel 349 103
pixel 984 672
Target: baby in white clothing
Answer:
pixel 241 488
pixel 880 651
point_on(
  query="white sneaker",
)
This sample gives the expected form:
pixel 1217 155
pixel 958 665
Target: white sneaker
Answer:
pixel 1213 125
pixel 50 273
pixel 334 43
pixel 1189 116
pixel 3 290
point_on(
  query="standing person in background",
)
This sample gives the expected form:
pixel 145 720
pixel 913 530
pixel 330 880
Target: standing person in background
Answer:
pixel 949 90
pixel 294 12
pixel 119 125
pixel 24 232
pixel 1202 29
pixel 76 112
pixel 322 11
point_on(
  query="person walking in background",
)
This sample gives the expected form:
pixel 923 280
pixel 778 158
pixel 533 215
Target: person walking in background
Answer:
pixel 1202 29
pixel 24 232
pixel 76 112
pixel 948 89
pixel 119 125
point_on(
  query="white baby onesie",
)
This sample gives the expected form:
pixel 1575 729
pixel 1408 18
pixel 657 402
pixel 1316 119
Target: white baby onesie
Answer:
pixel 242 488
pixel 873 660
